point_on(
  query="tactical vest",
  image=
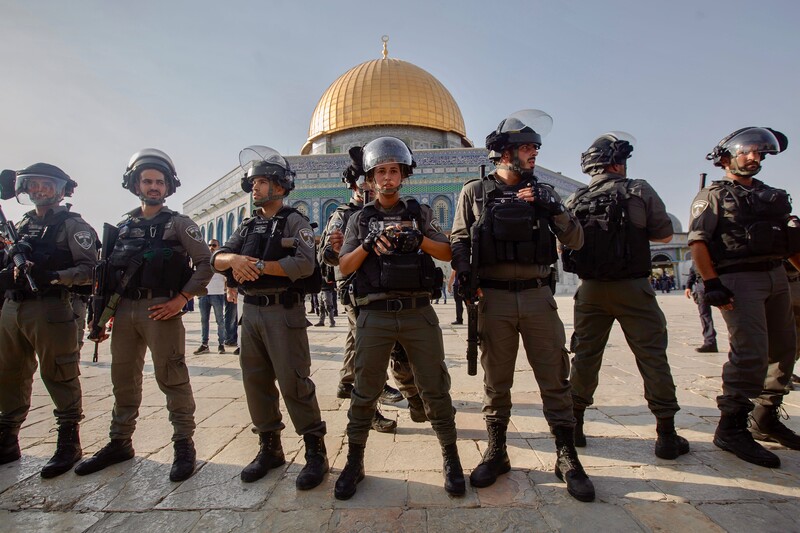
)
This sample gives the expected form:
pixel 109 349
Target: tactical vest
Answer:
pixel 43 241
pixel 265 239
pixel 755 222
pixel 142 242
pixel 512 230
pixel 345 212
pixel 613 247
pixel 394 272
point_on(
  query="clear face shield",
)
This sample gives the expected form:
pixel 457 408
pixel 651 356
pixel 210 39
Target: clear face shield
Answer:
pixel 527 126
pixel 753 141
pixel 384 151
pixel 264 161
pixel 32 189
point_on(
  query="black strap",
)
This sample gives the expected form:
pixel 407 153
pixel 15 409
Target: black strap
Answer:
pixel 761 266
pixel 397 304
pixel 514 285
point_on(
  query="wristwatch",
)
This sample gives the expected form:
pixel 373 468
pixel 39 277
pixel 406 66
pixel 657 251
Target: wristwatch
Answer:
pixel 260 266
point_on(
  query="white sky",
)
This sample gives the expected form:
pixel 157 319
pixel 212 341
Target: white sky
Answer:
pixel 85 84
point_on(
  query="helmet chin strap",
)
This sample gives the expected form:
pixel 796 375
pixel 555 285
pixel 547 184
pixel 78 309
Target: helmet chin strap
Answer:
pixel 516 165
pixel 270 197
pixel 388 190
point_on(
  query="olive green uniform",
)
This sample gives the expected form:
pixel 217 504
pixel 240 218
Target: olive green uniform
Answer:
pixel 794 290
pixel 761 328
pixel 44 324
pixel 631 302
pixel 274 341
pixel 134 333
pixel 406 317
pixel 401 369
pixel 526 308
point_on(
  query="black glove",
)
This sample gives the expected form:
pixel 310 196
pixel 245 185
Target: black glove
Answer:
pixel 43 277
pixel 370 240
pixel 21 248
pixel 716 293
pixel 407 241
pixel 464 290
pixel 546 200
pixel 7 278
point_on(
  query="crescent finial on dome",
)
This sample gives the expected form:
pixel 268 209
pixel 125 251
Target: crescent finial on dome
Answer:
pixel 385 39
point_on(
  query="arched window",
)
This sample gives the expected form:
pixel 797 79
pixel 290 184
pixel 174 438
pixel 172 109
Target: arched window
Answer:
pixel 327 210
pixel 220 229
pixel 229 229
pixel 203 233
pixel 442 211
pixel 302 207
pixel 210 232
pixel 241 214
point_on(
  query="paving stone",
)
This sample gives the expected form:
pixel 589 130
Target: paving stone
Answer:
pixel 377 490
pixel 160 521
pixel 391 520
pixel 682 517
pixel 68 522
pixel 226 521
pixel 747 517
pixel 589 517
pixel 426 490
pixel 487 520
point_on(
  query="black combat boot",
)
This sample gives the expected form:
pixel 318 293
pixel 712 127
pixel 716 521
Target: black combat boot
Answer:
pixel 732 436
pixel 184 462
pixel 316 463
pixel 116 451
pixel 9 446
pixel 68 452
pixel 580 436
pixel 766 425
pixel 381 424
pixel 495 459
pixel 669 444
pixel 416 409
pixel 390 394
pixel 352 473
pixel 569 468
pixel 270 455
pixel 454 483
pixel 344 391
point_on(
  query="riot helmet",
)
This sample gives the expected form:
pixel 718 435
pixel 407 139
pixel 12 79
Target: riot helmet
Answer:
pixel 354 175
pixel 751 139
pixel 612 148
pixel 150 158
pixel 384 151
pixel 527 126
pixel 263 161
pixel 42 184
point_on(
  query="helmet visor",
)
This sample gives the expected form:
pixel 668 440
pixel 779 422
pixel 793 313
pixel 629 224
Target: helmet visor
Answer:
pixel 384 150
pixel 36 189
pixel 535 119
pixel 759 140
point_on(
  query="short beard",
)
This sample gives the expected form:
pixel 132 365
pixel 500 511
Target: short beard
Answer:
pixel 151 202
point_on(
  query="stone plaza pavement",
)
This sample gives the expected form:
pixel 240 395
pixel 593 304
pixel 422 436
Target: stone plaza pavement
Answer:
pixel 706 490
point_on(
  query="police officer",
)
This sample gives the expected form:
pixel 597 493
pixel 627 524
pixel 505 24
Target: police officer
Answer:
pixel 389 245
pixel 696 290
pixel 740 230
pixel 330 245
pixel 620 217
pixel 151 270
pixel 271 258
pixel 505 232
pixel 57 252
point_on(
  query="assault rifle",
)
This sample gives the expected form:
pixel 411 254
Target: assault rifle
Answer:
pixel 471 300
pixel 104 304
pixel 20 249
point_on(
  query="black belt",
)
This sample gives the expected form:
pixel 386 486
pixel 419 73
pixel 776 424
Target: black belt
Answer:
pixel 762 266
pixel 265 300
pixel 18 295
pixel 515 285
pixel 397 304
pixel 146 294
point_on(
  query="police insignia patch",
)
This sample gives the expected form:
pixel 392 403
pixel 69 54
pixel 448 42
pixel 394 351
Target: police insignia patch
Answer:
pixel 307 236
pixel 698 207
pixel 84 239
pixel 194 232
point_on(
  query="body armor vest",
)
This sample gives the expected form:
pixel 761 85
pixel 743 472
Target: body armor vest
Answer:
pixel 512 230
pixel 142 242
pixel 613 247
pixel 42 238
pixel 755 222
pixel 265 240
pixel 412 272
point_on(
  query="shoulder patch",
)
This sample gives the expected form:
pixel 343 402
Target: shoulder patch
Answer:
pixel 194 232
pixel 698 207
pixel 84 239
pixel 307 236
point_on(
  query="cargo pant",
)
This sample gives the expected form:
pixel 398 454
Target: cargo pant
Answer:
pixel 633 304
pixel 45 327
pixel 418 331
pixel 132 334
pixel 763 340
pixel 503 317
pixel 274 346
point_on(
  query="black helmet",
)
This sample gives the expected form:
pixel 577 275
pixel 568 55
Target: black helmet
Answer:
pixel 354 173
pixel 612 148
pixel 154 159
pixel 764 140
pixel 63 184
pixel 384 150
pixel 526 126
pixel 264 161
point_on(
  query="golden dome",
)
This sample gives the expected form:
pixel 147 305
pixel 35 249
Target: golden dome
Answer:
pixel 385 92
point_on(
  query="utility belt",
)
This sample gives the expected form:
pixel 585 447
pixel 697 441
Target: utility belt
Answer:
pixel 288 299
pixel 513 285
pixel 761 266
pixel 18 295
pixel 147 294
pixel 397 304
